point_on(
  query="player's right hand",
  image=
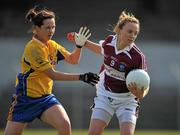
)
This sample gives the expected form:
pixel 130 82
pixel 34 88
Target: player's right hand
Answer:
pixel 90 78
pixel 139 93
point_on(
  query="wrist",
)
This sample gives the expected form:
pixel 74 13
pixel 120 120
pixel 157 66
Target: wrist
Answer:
pixel 78 46
pixel 86 43
pixel 81 77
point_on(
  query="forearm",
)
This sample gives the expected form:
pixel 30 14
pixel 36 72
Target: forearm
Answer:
pixel 75 56
pixel 65 76
pixel 57 75
pixel 89 78
pixel 93 46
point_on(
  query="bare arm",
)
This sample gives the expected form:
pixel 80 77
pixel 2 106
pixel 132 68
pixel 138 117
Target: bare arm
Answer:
pixel 93 46
pixel 89 78
pixel 75 56
pixel 56 75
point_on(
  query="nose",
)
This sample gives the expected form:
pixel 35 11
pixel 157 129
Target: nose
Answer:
pixel 133 35
pixel 51 31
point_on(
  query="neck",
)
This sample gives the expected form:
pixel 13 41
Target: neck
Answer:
pixel 40 39
pixel 120 45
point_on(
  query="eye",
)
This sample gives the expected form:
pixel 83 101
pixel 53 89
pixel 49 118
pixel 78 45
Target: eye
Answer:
pixel 133 32
pixel 130 31
pixel 136 33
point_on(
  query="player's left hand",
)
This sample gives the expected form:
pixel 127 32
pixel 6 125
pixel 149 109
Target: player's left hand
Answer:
pixel 139 93
pixel 80 38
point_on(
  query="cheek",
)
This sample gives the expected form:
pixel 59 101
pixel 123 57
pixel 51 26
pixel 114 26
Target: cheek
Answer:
pixel 125 36
pixel 54 30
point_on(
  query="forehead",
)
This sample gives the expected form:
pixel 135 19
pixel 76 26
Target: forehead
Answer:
pixel 131 25
pixel 50 21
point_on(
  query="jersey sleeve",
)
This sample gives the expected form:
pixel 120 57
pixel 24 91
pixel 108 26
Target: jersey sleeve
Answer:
pixel 62 53
pixel 101 44
pixel 143 64
pixel 37 59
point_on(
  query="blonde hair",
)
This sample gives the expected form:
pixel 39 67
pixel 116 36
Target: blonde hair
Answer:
pixel 124 18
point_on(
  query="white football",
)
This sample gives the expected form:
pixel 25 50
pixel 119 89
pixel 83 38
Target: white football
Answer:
pixel 140 77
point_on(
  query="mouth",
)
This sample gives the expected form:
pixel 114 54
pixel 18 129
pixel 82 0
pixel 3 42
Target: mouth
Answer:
pixel 50 36
pixel 130 40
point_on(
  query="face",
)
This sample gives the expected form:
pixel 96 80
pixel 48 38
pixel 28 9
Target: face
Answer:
pixel 45 31
pixel 128 33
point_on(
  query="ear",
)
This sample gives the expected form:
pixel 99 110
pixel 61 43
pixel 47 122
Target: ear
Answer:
pixel 34 29
pixel 34 32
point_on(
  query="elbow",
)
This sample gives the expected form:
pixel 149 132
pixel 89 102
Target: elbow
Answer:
pixel 75 62
pixel 52 76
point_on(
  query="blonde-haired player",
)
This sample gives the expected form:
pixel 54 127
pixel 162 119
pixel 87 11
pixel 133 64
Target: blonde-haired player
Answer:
pixel 121 55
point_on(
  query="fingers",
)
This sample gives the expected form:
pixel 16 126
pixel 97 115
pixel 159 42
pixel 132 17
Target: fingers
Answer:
pixel 95 76
pixel 82 36
pixel 83 31
pixel 86 32
pixel 94 81
pixel 80 30
pixel 92 78
pixel 135 91
pixel 88 36
pixel 92 84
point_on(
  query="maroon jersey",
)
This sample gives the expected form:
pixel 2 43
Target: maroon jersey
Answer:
pixel 118 63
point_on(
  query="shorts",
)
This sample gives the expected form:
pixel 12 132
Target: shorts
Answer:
pixel 126 110
pixel 26 109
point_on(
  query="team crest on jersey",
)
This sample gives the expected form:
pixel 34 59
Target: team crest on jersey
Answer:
pixel 122 67
pixel 52 60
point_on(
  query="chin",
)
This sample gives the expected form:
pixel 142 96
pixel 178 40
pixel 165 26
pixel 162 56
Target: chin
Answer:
pixel 49 38
pixel 130 42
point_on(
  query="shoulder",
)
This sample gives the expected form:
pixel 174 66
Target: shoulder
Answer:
pixel 32 45
pixel 137 49
pixel 55 44
pixel 138 53
pixel 109 39
pixel 34 49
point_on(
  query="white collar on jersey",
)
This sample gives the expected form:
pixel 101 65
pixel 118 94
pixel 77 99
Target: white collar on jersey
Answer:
pixel 125 50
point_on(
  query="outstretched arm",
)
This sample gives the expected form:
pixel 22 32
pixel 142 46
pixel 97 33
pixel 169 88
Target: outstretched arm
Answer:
pixel 89 78
pixel 81 40
pixel 75 56
pixel 93 46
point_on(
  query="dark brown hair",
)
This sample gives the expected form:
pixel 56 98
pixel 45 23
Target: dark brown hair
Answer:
pixel 37 16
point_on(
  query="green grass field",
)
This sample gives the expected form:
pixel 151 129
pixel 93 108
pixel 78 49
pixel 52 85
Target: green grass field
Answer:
pixel 106 132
